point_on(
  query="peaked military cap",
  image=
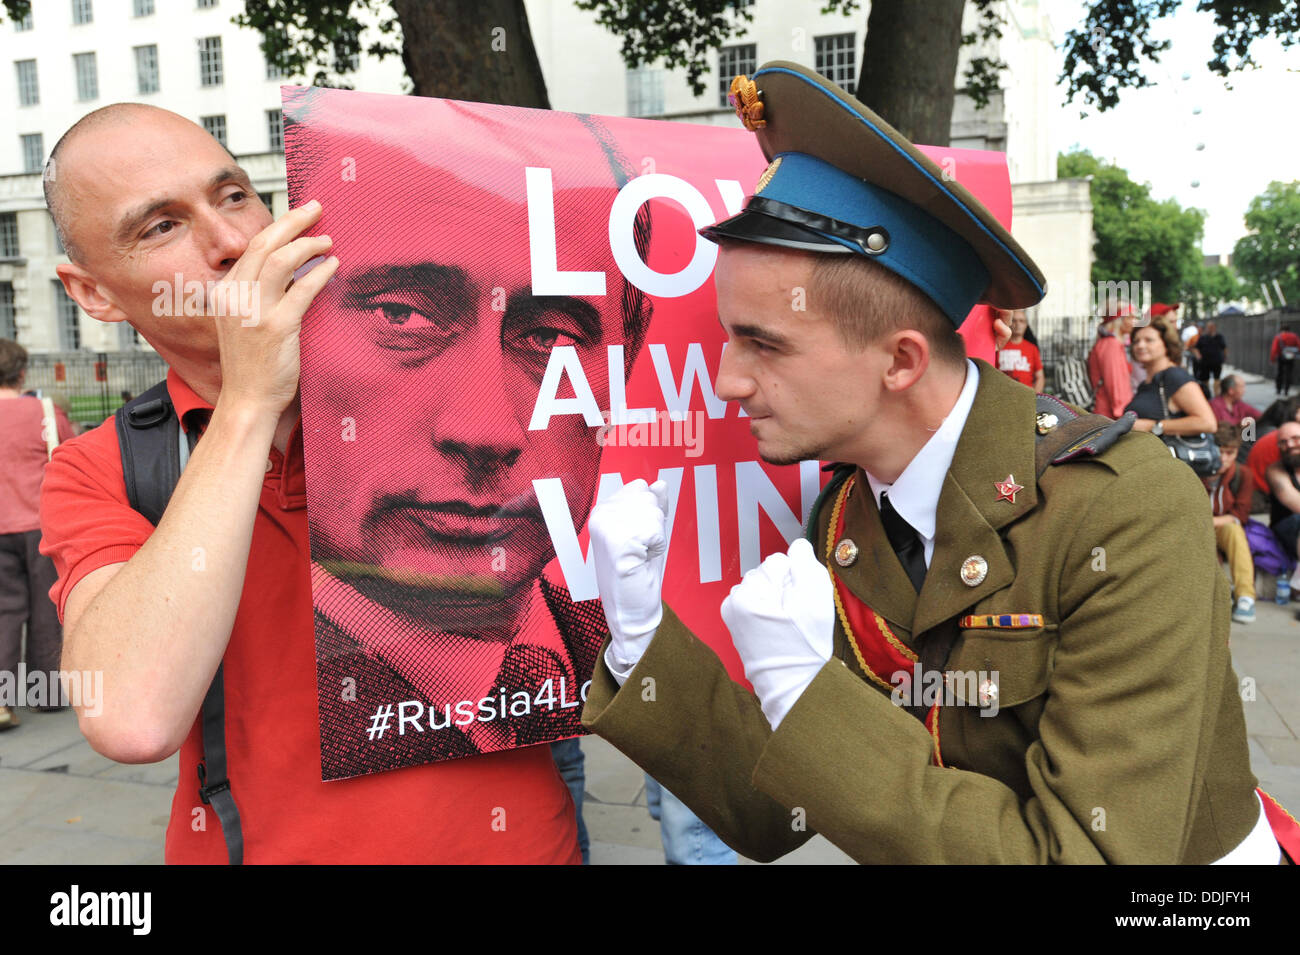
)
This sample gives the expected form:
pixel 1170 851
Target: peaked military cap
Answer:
pixel 842 180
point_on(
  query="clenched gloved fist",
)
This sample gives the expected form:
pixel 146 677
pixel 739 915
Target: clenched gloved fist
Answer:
pixel 782 621
pixel 629 543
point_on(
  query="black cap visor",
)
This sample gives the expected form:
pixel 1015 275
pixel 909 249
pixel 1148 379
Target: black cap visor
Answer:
pixel 752 226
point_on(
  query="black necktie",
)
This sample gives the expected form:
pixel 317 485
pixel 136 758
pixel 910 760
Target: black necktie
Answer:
pixel 905 541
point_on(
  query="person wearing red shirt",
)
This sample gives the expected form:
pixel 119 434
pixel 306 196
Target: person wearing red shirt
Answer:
pixel 1284 351
pixel 1019 358
pixel 25 574
pixel 145 196
pixel 1230 406
pixel 1109 370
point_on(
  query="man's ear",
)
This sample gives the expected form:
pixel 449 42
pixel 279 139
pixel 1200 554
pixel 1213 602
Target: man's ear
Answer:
pixel 83 289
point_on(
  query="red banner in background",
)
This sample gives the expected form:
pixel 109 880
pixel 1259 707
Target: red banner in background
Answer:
pixel 523 319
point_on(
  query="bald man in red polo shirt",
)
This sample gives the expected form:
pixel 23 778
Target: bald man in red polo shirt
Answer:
pixel 143 197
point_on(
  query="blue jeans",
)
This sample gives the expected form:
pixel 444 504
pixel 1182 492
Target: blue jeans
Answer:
pixel 568 757
pixel 687 840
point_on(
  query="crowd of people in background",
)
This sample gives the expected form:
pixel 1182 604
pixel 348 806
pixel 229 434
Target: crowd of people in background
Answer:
pixel 1171 375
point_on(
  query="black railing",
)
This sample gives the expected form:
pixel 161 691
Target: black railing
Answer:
pixel 93 383
pixel 1250 337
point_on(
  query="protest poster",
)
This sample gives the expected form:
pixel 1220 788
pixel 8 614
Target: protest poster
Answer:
pixel 522 320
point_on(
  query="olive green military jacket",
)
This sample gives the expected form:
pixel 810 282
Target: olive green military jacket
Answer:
pixel 1118 736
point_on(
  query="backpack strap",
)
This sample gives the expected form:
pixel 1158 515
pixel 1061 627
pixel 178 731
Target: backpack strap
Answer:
pixel 155 449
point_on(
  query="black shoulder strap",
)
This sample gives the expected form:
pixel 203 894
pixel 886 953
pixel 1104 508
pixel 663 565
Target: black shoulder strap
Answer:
pixel 1063 433
pixel 149 434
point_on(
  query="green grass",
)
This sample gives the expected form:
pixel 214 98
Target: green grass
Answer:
pixel 89 409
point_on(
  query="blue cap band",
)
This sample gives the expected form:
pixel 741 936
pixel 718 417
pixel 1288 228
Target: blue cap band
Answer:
pixel 920 248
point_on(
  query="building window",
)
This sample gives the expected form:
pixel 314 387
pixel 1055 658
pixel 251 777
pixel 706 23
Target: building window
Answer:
pixel 87 76
pixel 266 198
pixel 25 23
pixel 273 72
pixel 33 152
pixel 143 8
pixel 29 92
pixel 275 129
pixel 206 4
pixel 69 320
pixel 645 92
pixel 216 125
pixel 8 235
pixel 146 69
pixel 733 60
pixel 8 319
pixel 210 69
pixel 128 339
pixel 82 12
pixel 836 57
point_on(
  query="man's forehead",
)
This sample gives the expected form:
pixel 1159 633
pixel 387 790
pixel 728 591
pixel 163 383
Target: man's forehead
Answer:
pixel 120 170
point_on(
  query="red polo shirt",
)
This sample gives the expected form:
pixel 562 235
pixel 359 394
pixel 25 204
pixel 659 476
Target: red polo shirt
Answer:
pixel 503 807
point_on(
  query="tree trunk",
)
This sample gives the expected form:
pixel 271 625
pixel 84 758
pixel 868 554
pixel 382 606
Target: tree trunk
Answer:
pixel 481 51
pixel 909 66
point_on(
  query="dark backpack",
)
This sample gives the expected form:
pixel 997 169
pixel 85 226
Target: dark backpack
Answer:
pixel 155 450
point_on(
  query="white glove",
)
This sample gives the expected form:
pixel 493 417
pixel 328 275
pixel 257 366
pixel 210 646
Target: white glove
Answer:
pixel 629 543
pixel 782 621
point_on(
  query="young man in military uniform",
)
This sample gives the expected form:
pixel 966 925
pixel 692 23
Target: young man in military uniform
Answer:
pixel 977 655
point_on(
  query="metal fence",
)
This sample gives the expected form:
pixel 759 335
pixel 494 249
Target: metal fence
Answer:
pixel 1250 337
pixel 93 383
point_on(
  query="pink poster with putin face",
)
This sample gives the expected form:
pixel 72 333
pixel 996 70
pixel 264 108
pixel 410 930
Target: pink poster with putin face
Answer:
pixel 523 319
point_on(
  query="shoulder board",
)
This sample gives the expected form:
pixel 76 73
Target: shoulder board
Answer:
pixel 1063 433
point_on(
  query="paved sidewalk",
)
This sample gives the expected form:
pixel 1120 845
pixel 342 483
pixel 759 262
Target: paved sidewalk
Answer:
pixel 60 802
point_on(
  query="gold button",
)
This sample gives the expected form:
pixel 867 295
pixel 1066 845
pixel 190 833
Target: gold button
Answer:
pixel 973 570
pixel 846 552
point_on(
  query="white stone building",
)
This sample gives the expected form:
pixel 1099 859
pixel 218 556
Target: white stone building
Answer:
pixel 75 56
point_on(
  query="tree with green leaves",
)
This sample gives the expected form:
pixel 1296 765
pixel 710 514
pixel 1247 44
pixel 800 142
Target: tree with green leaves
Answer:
pixel 1209 288
pixel 1139 239
pixel 1272 250
pixel 483 50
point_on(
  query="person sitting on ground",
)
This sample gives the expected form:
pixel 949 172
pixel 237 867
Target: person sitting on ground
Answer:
pixel 1230 406
pixel 1230 492
pixel 1284 515
pixel 1264 452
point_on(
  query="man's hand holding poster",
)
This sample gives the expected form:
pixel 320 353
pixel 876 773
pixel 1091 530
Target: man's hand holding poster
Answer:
pixel 522 321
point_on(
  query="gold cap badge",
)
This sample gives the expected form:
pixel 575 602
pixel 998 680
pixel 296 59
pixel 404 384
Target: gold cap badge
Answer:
pixel 748 101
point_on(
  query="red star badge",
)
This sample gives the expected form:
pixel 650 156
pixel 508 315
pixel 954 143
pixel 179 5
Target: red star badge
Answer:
pixel 1007 489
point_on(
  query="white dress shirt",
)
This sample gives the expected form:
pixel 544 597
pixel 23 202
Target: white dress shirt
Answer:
pixel 915 495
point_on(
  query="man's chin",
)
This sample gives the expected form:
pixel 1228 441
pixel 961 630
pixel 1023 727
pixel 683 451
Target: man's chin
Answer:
pixel 459 603
pixel 784 458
